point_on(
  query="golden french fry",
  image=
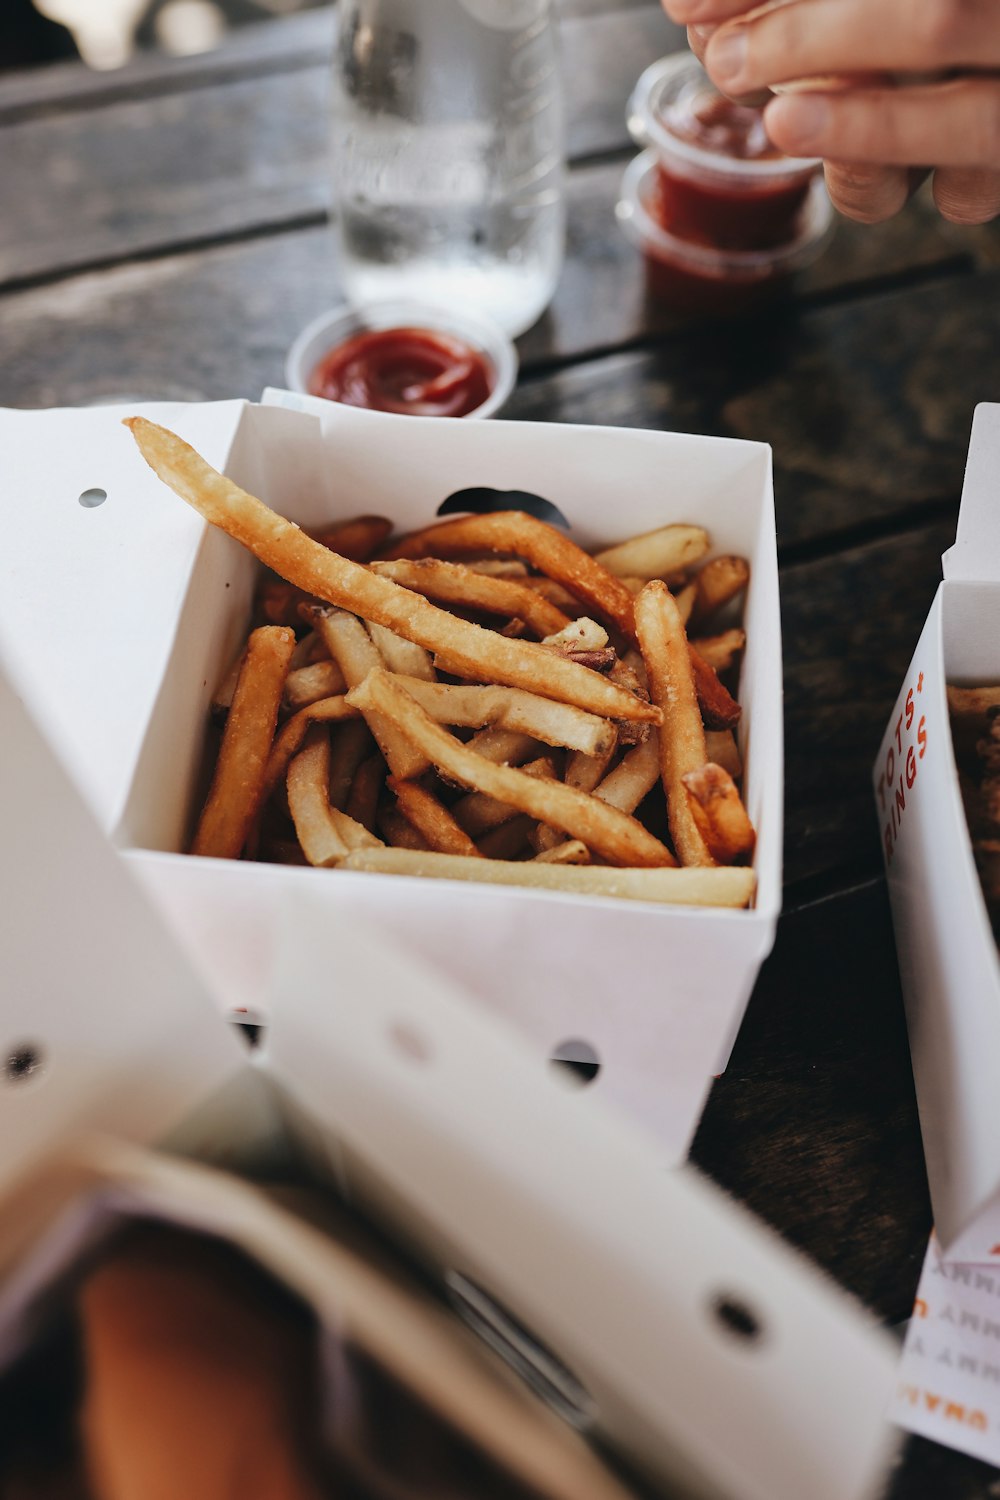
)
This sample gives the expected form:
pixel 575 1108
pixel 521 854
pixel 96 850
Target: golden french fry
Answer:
pixel 724 885
pixel 290 738
pixel 722 750
pixel 235 796
pixel 720 651
pixel 719 814
pixel 351 746
pixel 719 581
pixel 548 550
pixel 451 583
pixel 497 567
pixel 432 820
pixel 509 840
pixel 308 651
pixel 323 679
pixel 634 777
pixel 277 543
pixel 401 655
pixel 585 771
pixel 558 724
pixel 505 747
pixel 581 634
pixel 684 599
pixel 356 654
pixel 359 538
pixel 682 736
pixel 309 800
pixel 555 593
pixel 656 554
pixel 570 852
pixel 399 831
pixel 607 832
pixel 477 813
pixel 719 708
pixel 366 788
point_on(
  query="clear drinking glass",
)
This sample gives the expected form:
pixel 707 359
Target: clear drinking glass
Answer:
pixel 448 155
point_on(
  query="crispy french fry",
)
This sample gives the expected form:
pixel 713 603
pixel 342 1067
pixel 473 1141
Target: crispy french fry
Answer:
pixel 506 747
pixel 966 702
pixel 291 737
pixel 497 567
pixel 277 602
pixel 308 651
pixel 308 798
pixel 509 841
pixel 656 554
pixel 359 538
pixel 399 831
pixel 570 852
pixel 585 771
pixel 351 746
pixel 309 565
pixel 548 550
pixel 684 599
pixel 719 708
pixel 366 788
pixel 401 655
pixel 234 798
pixel 477 812
pixel 439 829
pixel 723 751
pixel 720 651
pixel 581 634
pixel 607 832
pixel 356 654
pixel 306 685
pixel 719 814
pixel 719 581
pixel 682 736
pixel 555 593
pixel 725 885
pixel 634 777
pixel 451 583
pixel 558 724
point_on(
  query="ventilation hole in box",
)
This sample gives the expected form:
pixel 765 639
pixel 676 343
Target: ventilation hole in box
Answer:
pixel 23 1062
pixel 576 1059
pixel 251 1032
pixel 738 1319
pixel 409 1042
pixel 483 501
pixel 90 499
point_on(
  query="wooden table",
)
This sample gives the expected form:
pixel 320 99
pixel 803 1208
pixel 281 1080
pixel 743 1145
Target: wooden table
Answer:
pixel 165 236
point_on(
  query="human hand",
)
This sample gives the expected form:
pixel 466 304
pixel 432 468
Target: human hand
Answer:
pixel 877 132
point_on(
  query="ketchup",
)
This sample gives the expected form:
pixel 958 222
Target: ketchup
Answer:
pixel 414 370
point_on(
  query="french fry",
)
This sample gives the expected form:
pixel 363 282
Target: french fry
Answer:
pixel 235 796
pixel 972 702
pixel 719 581
pixel 366 788
pixel 401 655
pixel 719 708
pixel 719 814
pixel 312 567
pixel 306 685
pixel 725 885
pixel 506 747
pixel 277 602
pixel 558 724
pixel 291 737
pixel 497 567
pixel 570 852
pixel 308 651
pixel 399 831
pixel 720 651
pixel 478 813
pixel 634 777
pixel 682 736
pixel 509 841
pixel 656 554
pixel 580 634
pixel 722 750
pixel 432 820
pixel 356 654
pixel 309 801
pixel 451 583
pixel 548 550
pixel 684 599
pixel 351 745
pixel 555 593
pixel 359 538
pixel 607 832
pixel 586 771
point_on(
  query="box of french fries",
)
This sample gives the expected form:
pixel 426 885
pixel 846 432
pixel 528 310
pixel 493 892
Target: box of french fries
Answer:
pixel 937 799
pixel 509 692
pixel 143 1241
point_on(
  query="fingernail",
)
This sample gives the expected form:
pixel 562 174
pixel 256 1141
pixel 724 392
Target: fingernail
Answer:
pixel 702 33
pixel 727 55
pixel 801 121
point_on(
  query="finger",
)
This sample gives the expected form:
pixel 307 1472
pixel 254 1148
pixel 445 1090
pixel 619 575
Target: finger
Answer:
pixel 870 194
pixel 698 39
pixel 694 12
pixel 809 38
pixel 954 124
pixel 967 195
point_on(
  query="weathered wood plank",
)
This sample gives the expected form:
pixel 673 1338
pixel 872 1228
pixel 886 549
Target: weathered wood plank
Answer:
pixel 154 173
pixel 814 1124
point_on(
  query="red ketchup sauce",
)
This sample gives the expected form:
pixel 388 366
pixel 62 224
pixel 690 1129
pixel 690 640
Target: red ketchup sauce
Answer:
pixel 418 371
pixel 738 210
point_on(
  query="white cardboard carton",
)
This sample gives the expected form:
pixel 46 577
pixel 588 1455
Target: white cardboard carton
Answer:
pixel 119 620
pixel 947 952
pixel 556 1225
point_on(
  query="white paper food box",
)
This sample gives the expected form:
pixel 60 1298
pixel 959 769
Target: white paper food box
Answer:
pixel 655 1314
pixel 119 620
pixel 947 951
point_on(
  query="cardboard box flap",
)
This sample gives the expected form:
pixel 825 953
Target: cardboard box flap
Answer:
pixel 557 1226
pixel 104 1023
pixel 976 553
